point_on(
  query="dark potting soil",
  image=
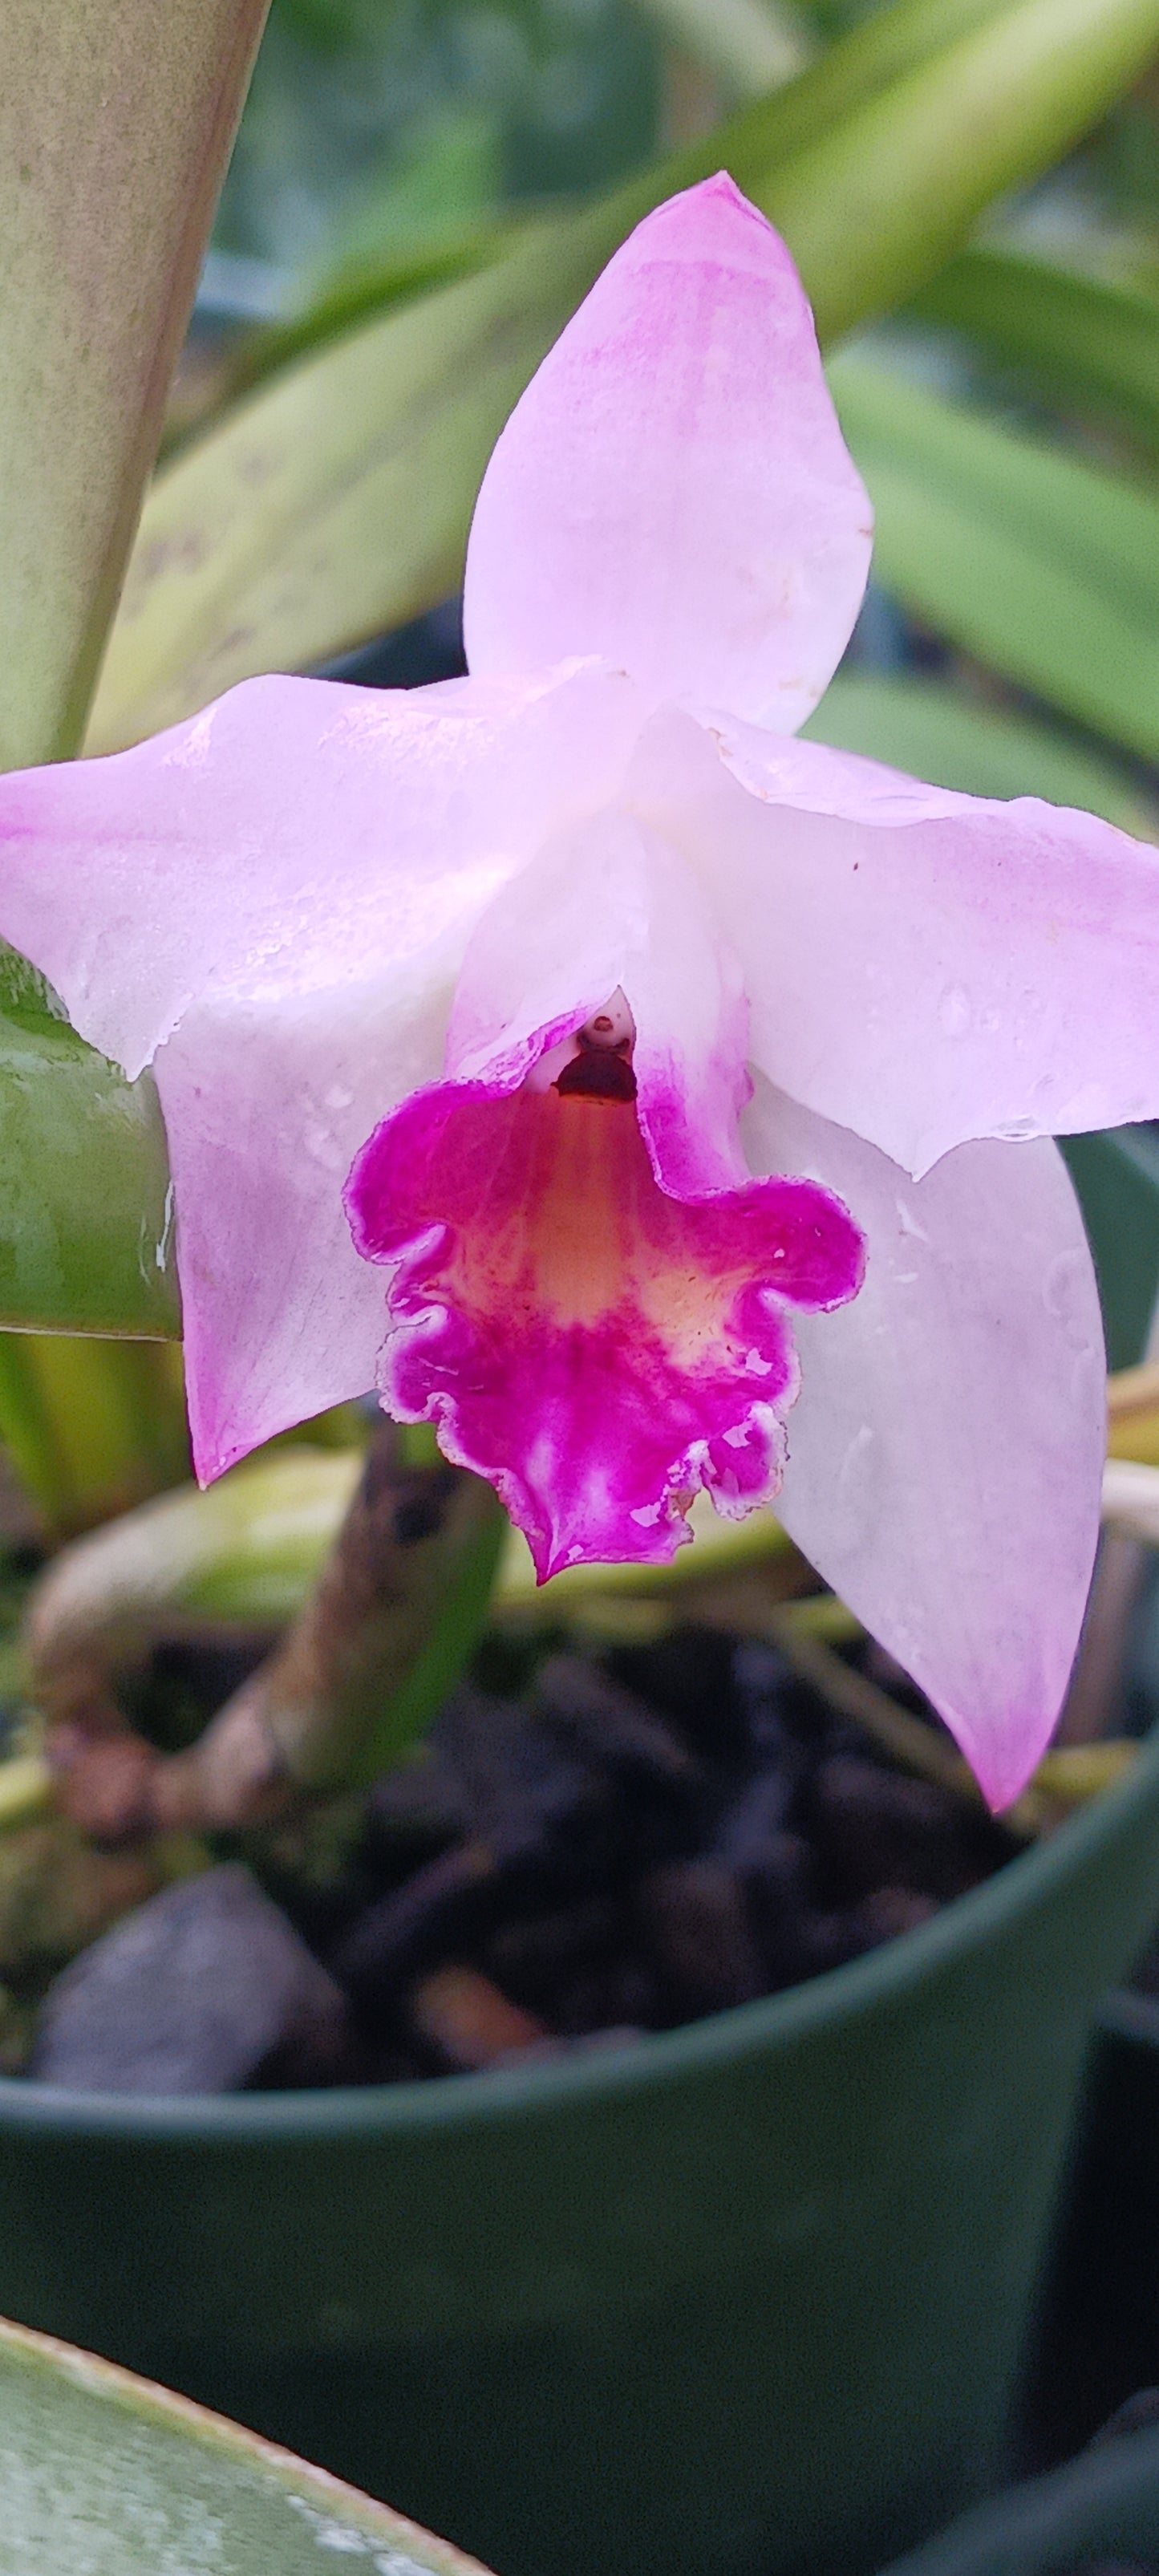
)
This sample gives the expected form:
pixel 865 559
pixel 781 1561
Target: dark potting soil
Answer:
pixel 644 1837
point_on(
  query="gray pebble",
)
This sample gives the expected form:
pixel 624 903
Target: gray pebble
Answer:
pixel 205 1989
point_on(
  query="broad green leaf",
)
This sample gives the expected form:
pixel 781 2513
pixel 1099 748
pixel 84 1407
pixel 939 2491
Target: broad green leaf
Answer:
pixel 102 2474
pixel 362 288
pixel 115 127
pixel 336 502
pixel 933 731
pixel 1041 564
pixel 873 209
pixel 86 1222
pixel 1090 343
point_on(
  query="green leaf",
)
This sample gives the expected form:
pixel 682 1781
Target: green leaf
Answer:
pixel 892 42
pixel 1037 562
pixel 1089 343
pixel 115 127
pixel 102 2474
pixel 263 546
pixel 336 502
pixel 92 1426
pixel 86 1230
pixel 751 45
pixel 872 210
pixel 933 731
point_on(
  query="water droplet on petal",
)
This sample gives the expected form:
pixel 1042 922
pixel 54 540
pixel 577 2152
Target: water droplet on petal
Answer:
pixel 954 1010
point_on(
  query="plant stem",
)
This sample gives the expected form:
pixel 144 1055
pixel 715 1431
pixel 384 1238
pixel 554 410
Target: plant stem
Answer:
pixel 379 1643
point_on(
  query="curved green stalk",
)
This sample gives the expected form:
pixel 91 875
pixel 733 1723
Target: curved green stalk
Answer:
pixel 115 127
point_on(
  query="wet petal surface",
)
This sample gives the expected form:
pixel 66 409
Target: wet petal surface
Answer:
pixel 298 835
pixel 922 966
pixel 275 900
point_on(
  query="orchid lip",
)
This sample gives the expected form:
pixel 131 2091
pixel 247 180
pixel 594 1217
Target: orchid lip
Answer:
pixel 596 1345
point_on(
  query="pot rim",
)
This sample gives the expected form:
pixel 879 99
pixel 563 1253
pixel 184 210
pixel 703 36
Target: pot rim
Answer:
pixel 653 2062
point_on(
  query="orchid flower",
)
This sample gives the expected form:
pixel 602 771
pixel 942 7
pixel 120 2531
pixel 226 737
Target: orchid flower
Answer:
pixel 564 1042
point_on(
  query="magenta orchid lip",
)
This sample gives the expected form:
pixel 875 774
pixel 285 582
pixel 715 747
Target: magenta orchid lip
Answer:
pixel 365 939
pixel 598 1347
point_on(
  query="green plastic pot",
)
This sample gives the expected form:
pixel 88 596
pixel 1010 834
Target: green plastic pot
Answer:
pixel 1099 2335
pixel 1101 2509
pixel 740 2298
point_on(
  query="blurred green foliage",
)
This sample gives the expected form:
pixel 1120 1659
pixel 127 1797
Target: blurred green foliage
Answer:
pixel 337 502
pixel 371 123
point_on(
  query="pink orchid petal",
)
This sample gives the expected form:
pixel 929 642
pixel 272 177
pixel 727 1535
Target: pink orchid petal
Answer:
pixel 921 966
pixel 265 1106
pixel 278 896
pixel 597 1349
pixel 607 905
pixel 946 1452
pixel 293 836
pixel 672 492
